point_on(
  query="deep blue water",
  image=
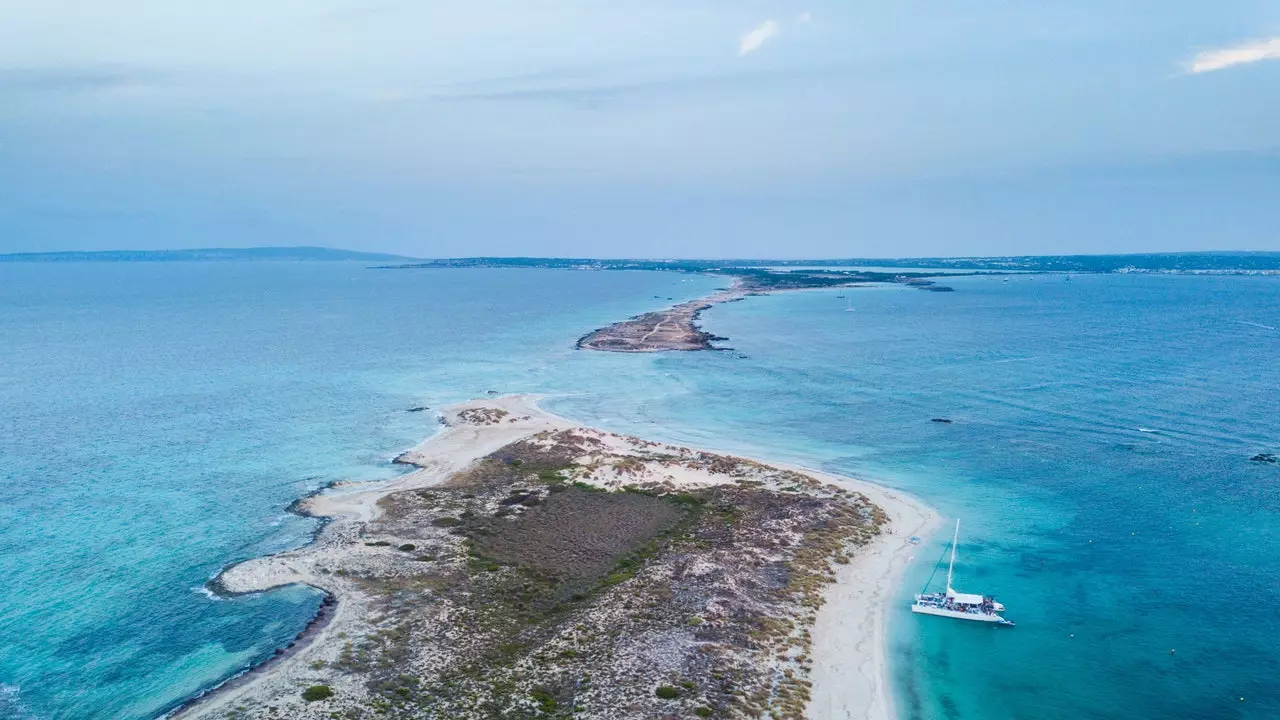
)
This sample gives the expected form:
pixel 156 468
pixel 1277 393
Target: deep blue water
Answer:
pixel 157 419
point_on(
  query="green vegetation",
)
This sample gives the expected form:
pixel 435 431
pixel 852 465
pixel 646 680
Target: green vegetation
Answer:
pixel 546 701
pixel 317 692
pixel 666 692
pixel 407 547
pixel 379 543
pixel 531 554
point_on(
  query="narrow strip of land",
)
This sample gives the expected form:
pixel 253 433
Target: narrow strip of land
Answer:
pixel 675 328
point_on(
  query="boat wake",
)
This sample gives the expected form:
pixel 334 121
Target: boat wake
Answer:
pixel 1260 325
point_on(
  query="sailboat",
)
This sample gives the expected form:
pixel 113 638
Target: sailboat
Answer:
pixel 848 305
pixel 958 605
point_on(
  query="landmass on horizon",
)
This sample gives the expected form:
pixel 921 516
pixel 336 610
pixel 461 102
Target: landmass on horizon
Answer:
pixel 1225 261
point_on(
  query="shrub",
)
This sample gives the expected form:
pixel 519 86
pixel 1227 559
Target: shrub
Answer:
pixel 703 711
pixel 317 692
pixel 666 692
pixel 379 543
pixel 546 701
pixel 407 547
pixel 446 522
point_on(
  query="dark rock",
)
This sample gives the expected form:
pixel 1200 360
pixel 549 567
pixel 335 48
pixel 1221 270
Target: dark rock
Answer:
pixel 1265 458
pixel 941 420
pixel 420 408
pixel 494 392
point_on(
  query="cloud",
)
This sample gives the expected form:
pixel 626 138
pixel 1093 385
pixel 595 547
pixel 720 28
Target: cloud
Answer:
pixel 1241 54
pixel 756 39
pixel 803 18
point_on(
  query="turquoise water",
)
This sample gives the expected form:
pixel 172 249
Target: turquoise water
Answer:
pixel 159 418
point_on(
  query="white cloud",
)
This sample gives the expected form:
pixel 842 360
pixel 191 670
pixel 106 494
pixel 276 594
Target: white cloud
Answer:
pixel 803 18
pixel 1241 54
pixel 756 39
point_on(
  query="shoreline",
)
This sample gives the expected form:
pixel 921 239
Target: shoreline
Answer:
pixel 849 671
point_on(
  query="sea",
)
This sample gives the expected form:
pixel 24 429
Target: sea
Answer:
pixel 157 419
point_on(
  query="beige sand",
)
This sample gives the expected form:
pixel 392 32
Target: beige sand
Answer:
pixel 849 671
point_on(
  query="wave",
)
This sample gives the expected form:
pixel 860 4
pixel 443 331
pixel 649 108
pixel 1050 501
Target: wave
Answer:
pixel 10 707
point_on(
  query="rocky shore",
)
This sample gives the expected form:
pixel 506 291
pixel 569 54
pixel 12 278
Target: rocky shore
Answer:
pixel 533 568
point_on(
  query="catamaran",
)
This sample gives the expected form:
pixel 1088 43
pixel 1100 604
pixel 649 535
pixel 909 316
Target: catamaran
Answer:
pixel 958 605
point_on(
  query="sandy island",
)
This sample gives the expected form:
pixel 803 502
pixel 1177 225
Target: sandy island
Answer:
pixel 532 567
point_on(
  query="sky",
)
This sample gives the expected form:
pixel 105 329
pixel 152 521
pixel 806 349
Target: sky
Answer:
pixel 641 128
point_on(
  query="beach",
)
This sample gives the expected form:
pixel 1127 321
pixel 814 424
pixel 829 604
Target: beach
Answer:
pixel 845 660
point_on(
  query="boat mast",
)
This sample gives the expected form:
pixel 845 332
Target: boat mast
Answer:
pixel 952 566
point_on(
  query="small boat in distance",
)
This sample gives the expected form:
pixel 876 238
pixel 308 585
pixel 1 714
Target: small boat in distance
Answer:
pixel 848 305
pixel 958 605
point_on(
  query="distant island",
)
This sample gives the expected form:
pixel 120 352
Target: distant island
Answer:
pixel 1227 262
pixel 259 254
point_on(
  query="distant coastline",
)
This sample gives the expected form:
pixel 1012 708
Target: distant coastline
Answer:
pixel 258 254
pixel 1199 262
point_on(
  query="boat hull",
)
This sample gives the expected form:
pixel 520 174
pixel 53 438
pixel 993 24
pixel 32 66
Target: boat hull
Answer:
pixel 958 615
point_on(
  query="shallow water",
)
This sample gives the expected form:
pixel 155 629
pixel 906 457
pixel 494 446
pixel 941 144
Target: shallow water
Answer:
pixel 159 418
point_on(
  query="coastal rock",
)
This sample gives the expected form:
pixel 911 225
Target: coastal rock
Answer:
pixel 941 420
pixel 1265 458
pixel 420 408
